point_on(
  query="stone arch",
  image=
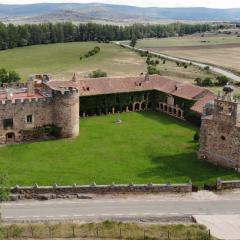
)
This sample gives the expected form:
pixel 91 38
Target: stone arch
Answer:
pixel 165 108
pixel 170 110
pixel 10 137
pixel 130 107
pixel 149 106
pixel 179 113
pixel 137 107
pixel 143 106
pixel 175 111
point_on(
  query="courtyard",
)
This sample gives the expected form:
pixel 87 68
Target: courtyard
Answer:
pixel 146 147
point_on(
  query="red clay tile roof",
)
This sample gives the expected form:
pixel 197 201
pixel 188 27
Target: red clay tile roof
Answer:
pixel 99 86
pixel 22 95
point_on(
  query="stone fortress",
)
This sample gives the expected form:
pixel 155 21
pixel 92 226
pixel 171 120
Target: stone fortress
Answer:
pixel 26 108
pixel 220 131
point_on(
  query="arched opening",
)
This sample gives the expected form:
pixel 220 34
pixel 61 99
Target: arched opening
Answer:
pixel 10 137
pixel 149 106
pixel 143 106
pixel 161 106
pixel 170 110
pixel 130 107
pixel 179 113
pixel 124 108
pixel 137 107
pixel 174 111
pixel 165 108
pixel 117 109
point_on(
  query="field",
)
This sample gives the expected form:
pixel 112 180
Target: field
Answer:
pixel 62 60
pixel 105 230
pixel 222 51
pixel 146 147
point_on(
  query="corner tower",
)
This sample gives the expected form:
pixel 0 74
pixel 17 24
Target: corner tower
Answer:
pixel 66 111
pixel 220 131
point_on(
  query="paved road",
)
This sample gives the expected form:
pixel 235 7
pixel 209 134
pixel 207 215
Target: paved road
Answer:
pixel 57 209
pixel 218 70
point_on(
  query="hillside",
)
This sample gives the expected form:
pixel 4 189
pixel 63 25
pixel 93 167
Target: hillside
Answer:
pixel 113 13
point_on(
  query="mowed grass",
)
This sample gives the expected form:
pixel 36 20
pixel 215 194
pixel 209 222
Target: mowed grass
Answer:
pixel 63 59
pixel 145 148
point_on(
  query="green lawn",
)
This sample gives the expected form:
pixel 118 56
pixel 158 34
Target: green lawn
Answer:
pixel 63 59
pixel 146 147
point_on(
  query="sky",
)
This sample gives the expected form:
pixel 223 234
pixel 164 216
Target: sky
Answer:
pixel 146 3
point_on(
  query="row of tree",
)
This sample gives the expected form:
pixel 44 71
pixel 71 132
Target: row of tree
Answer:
pixel 12 36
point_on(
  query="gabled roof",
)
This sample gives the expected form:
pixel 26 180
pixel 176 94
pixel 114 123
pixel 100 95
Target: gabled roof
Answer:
pixel 110 85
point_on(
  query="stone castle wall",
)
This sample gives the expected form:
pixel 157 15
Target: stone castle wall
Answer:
pixel 40 109
pixel 60 109
pixel 220 143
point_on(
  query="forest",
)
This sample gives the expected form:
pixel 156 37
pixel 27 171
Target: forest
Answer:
pixel 12 36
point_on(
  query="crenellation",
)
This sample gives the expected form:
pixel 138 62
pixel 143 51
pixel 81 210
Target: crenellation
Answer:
pixel 220 131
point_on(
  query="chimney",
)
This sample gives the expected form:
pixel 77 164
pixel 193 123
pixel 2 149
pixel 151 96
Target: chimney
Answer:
pixel 30 87
pixel 74 78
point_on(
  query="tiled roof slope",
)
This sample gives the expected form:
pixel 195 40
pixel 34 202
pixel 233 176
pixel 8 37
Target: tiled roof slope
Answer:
pixel 99 86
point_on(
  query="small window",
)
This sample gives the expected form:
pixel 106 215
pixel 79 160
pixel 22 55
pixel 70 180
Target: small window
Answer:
pixel 8 123
pixel 223 138
pixel 29 118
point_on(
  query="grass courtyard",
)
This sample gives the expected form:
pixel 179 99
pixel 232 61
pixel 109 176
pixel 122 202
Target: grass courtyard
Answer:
pixel 146 147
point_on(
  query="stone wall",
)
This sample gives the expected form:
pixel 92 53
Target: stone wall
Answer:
pixel 223 185
pixel 220 143
pixel 104 189
pixel 40 109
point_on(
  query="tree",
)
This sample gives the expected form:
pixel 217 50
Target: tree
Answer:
pixel 3 75
pixel 222 80
pixel 8 76
pixel 152 70
pixel 133 42
pixel 97 74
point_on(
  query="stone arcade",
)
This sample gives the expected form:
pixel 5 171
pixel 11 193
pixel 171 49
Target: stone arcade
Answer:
pixel 26 107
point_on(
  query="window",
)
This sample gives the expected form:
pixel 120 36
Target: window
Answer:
pixel 8 123
pixel 29 118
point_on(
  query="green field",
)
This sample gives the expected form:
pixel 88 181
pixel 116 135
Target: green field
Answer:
pixel 146 147
pixel 63 59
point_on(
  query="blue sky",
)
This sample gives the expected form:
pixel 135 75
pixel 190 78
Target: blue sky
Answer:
pixel 147 3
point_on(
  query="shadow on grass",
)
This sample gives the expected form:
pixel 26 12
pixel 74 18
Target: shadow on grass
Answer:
pixel 185 167
pixel 166 119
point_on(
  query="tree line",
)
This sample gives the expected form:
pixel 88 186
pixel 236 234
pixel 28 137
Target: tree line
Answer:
pixel 12 36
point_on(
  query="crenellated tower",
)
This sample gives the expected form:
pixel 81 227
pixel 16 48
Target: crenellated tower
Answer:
pixel 220 131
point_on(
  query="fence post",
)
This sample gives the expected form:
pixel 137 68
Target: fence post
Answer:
pixel 97 232
pixel 73 231
pixel 120 233
pixel 31 227
pixel 144 234
pixel 168 234
pixel 209 234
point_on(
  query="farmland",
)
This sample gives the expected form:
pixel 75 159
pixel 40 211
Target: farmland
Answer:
pixel 222 51
pixel 146 147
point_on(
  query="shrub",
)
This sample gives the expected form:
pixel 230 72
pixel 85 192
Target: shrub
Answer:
pixel 207 68
pixel 222 80
pixel 4 187
pixel 10 76
pixel 97 74
pixel 207 82
pixel 196 137
pixel 152 70
pixel 164 61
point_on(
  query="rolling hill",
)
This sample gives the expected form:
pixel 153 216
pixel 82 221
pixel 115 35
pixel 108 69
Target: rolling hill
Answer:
pixel 113 13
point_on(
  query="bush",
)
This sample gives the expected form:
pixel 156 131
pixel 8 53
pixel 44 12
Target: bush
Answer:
pixel 152 70
pixel 207 82
pixel 4 187
pixel 196 137
pixel 207 68
pixel 222 80
pixel 97 74
pixel 164 61
pixel 10 76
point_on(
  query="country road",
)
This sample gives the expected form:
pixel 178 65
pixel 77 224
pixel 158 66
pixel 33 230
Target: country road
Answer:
pixel 219 212
pixel 215 69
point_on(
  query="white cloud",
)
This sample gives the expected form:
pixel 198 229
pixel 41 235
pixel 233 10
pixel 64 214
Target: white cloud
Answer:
pixel 147 3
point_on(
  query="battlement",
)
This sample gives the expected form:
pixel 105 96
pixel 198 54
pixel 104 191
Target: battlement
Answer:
pixel 18 101
pixel 65 91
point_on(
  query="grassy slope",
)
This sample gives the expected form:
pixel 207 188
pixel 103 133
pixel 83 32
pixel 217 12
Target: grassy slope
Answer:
pixel 147 147
pixel 62 60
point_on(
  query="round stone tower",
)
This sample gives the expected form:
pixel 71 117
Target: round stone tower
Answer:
pixel 66 111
